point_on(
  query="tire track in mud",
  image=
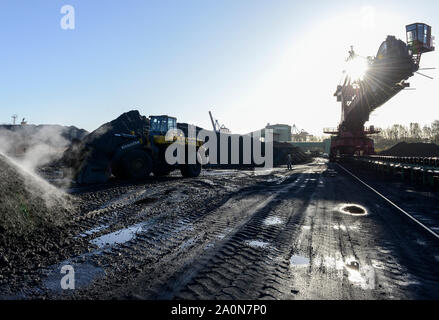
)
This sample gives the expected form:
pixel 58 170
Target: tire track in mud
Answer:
pixel 175 242
pixel 251 262
pixel 358 257
pixel 167 236
pixel 281 238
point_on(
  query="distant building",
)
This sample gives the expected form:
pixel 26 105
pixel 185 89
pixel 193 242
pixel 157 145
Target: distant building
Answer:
pixel 281 132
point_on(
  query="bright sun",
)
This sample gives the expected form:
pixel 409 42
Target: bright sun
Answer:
pixel 356 68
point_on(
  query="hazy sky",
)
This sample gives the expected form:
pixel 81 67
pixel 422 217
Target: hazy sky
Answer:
pixel 249 61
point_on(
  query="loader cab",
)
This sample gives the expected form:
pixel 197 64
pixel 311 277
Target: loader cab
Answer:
pixel 419 38
pixel 161 124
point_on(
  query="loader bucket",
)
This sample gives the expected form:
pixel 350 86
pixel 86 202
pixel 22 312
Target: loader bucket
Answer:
pixel 96 170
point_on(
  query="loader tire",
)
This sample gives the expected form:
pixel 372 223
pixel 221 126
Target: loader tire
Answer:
pixel 137 165
pixel 190 170
pixel 161 170
pixel 118 171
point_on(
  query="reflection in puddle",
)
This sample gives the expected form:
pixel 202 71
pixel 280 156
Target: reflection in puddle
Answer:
pixel 93 231
pixel 377 265
pixel 352 209
pixel 353 265
pixel 188 243
pixel 224 234
pixel 385 251
pixel 118 237
pixel 257 244
pixel 330 262
pixel 270 221
pixel 85 273
pixel 299 261
pixel 129 233
pixel 359 275
pixel 339 227
pixel 362 276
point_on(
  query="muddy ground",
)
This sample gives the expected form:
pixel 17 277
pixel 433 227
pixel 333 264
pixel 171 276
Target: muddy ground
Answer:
pixel 235 235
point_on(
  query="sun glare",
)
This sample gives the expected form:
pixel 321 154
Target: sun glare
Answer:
pixel 356 68
pixel 292 79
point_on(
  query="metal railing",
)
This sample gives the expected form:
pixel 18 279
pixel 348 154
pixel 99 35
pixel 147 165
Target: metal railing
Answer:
pixel 420 161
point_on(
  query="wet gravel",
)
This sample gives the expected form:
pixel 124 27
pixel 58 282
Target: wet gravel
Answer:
pixel 228 235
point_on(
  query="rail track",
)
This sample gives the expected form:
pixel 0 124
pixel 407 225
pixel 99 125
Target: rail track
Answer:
pixel 408 215
pixel 423 170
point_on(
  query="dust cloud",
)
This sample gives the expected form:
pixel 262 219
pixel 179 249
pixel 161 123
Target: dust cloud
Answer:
pixel 27 149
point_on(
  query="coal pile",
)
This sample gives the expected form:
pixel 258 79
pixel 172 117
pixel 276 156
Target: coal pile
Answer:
pixel 280 150
pixel 89 160
pixel 404 149
pixel 98 146
pixel 18 139
pixel 280 153
pixel 28 203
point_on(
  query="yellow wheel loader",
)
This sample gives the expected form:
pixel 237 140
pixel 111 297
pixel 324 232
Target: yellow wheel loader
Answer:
pixel 135 155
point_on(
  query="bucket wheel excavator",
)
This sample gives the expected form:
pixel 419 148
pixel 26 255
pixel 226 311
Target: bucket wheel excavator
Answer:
pixel 370 82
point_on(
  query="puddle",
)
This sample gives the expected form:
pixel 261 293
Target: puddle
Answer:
pixel 359 275
pixel 117 237
pixel 122 235
pixel 377 265
pixel 217 172
pixel 271 221
pixel 384 251
pixel 330 262
pixel 207 182
pixel 362 276
pixel 257 244
pixel 278 179
pixel 354 265
pixel 299 261
pixel 84 274
pixel 353 209
pixel 127 234
pixel 339 227
pixel 225 233
pixel 188 243
pixel 407 282
pixel 93 231
pixel 146 200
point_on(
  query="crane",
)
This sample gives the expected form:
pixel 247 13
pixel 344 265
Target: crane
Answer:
pixel 216 126
pixel 370 82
